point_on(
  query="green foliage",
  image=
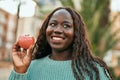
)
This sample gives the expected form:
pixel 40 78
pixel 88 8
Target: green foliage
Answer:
pixel 96 16
pixel 68 3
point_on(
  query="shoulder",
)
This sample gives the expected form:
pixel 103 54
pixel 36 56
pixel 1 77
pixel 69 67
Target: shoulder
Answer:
pixel 103 72
pixel 36 63
pixel 100 67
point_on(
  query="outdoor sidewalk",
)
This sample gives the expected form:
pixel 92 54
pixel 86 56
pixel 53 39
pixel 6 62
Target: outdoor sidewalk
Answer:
pixel 5 69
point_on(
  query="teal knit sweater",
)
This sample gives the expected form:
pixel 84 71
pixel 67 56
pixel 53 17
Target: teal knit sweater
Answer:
pixel 48 69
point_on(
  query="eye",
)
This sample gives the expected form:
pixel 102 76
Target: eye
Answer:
pixel 66 26
pixel 52 24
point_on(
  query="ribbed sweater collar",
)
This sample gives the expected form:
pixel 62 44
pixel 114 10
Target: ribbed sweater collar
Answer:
pixel 48 60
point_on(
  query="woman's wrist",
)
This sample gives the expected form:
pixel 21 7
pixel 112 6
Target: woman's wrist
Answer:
pixel 21 70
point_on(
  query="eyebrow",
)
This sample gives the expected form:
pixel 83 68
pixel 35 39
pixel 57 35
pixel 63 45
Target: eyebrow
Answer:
pixel 66 21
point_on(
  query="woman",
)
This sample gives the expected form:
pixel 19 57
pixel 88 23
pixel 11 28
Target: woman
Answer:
pixel 61 52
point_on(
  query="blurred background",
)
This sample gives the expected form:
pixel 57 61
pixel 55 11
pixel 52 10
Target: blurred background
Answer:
pixel 102 18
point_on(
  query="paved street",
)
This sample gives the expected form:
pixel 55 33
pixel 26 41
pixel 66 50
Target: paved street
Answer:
pixel 5 69
pixel 4 73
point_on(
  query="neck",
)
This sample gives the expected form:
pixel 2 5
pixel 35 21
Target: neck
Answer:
pixel 61 56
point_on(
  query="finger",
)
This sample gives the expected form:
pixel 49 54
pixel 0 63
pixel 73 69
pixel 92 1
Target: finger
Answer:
pixel 29 54
pixel 23 53
pixel 16 47
pixel 16 50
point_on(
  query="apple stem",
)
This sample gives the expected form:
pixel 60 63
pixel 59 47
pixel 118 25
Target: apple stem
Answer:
pixel 27 35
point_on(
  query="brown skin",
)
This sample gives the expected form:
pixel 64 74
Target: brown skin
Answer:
pixel 59 34
pixel 21 58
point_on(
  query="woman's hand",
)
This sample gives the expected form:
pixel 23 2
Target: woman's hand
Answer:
pixel 21 58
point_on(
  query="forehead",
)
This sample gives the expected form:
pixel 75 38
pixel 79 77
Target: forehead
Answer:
pixel 62 14
pixel 61 11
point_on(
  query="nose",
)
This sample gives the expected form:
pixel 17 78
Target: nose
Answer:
pixel 58 30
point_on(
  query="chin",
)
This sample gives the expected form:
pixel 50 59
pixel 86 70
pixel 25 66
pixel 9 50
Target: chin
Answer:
pixel 57 47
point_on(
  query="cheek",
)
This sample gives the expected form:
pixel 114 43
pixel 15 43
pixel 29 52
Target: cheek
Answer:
pixel 48 32
pixel 72 37
pixel 71 34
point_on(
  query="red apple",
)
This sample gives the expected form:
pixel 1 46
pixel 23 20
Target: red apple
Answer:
pixel 25 41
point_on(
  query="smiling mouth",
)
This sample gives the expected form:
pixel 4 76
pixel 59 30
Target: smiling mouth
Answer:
pixel 57 38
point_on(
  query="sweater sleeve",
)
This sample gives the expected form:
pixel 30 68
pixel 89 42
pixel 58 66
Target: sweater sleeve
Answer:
pixel 17 76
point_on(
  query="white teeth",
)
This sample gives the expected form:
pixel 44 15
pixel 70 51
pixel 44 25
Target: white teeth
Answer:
pixel 57 38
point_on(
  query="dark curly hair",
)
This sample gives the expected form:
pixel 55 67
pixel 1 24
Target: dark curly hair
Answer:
pixel 82 57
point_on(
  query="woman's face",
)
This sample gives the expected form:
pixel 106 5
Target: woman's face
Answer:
pixel 60 30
